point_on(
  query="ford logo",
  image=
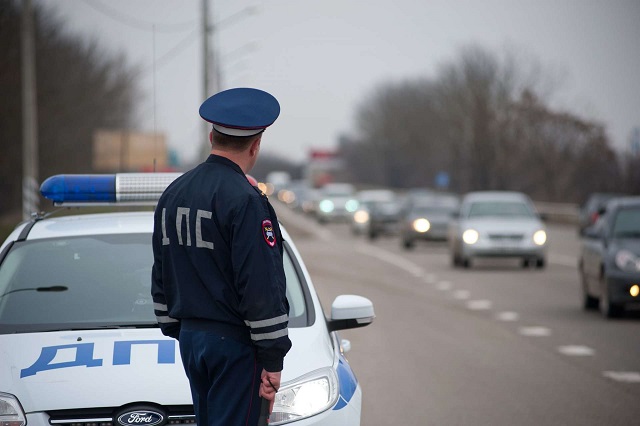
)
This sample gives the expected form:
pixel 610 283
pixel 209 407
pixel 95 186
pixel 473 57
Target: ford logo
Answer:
pixel 140 418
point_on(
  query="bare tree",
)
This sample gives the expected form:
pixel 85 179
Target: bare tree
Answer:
pixel 79 89
pixel 485 121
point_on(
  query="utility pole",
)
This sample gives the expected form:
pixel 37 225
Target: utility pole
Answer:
pixel 30 198
pixel 207 29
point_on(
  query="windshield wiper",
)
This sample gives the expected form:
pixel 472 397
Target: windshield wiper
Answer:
pixel 46 289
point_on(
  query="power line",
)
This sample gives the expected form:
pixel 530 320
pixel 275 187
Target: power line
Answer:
pixel 170 54
pixel 136 23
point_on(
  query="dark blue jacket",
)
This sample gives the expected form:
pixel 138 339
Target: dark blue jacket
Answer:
pixel 218 263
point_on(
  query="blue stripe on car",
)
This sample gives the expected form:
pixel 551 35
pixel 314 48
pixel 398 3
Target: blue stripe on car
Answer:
pixel 348 383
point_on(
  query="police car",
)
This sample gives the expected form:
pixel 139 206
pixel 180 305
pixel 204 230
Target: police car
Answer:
pixel 79 343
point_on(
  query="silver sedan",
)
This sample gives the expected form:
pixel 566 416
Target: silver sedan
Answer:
pixel 497 224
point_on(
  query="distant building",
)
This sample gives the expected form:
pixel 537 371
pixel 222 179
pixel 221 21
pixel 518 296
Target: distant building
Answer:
pixel 124 151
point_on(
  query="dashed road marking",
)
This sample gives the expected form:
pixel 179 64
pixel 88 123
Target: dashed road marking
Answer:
pixel 462 294
pixel 535 331
pixel 623 376
pixel 391 258
pixel 508 316
pixel 479 305
pixel 576 350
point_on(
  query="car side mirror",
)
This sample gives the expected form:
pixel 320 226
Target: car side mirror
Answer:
pixel 350 311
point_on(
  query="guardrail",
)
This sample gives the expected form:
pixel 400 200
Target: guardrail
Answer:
pixel 559 212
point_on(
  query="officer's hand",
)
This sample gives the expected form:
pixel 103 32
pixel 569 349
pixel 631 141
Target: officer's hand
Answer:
pixel 269 385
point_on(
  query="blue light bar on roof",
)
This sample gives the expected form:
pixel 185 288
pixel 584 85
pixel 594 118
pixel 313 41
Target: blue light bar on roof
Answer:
pixel 121 188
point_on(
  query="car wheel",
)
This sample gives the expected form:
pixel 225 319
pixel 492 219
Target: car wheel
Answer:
pixel 607 308
pixel 408 244
pixel 525 263
pixel 540 263
pixel 465 262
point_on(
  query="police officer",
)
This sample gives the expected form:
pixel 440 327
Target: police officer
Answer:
pixel 218 282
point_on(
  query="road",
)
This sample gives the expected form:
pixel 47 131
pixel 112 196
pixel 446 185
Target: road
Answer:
pixel 492 345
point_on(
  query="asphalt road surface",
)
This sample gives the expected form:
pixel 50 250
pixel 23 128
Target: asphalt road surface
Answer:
pixel 492 345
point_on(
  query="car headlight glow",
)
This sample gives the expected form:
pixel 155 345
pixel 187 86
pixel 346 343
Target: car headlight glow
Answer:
pixel 326 206
pixel 361 216
pixel 307 396
pixel 286 196
pixel 634 290
pixel 11 413
pixel 627 261
pixel 421 225
pixel 470 236
pixel 540 237
pixel 351 206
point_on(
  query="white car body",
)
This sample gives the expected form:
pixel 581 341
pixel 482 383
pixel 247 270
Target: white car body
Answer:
pixel 90 376
pixel 499 232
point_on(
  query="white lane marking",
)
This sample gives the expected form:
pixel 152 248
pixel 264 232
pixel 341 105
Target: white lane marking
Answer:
pixel 623 376
pixel 462 294
pixel 391 258
pixel 508 316
pixel 287 216
pixel 535 331
pixel 576 350
pixel 563 260
pixel 443 286
pixel 479 305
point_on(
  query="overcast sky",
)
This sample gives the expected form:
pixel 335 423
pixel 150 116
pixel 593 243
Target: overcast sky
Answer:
pixel 322 58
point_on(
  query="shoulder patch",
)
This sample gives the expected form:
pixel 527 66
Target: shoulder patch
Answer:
pixel 268 232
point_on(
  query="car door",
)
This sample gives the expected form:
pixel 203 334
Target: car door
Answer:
pixel 593 248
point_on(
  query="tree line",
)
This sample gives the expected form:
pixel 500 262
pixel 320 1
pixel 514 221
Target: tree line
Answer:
pixel 80 88
pixel 485 123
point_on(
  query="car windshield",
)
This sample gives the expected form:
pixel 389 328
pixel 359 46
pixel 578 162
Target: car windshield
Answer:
pixel 627 223
pixel 338 191
pixel 504 209
pixel 433 210
pixel 86 282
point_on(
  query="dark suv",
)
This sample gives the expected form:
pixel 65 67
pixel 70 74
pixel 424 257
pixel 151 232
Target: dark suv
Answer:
pixel 590 210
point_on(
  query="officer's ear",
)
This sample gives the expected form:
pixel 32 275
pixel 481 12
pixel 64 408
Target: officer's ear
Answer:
pixel 211 137
pixel 255 146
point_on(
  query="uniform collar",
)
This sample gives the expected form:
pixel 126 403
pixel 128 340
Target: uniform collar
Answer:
pixel 218 159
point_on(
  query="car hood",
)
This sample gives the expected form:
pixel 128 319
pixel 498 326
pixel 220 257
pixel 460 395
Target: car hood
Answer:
pixel 110 368
pixel 503 226
pixel 631 244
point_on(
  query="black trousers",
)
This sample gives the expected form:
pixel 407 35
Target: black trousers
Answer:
pixel 224 377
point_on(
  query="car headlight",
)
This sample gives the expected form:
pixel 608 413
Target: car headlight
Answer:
pixel 351 206
pixel 326 206
pixel 421 225
pixel 361 216
pixel 627 261
pixel 540 237
pixel 11 413
pixel 307 396
pixel 470 236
